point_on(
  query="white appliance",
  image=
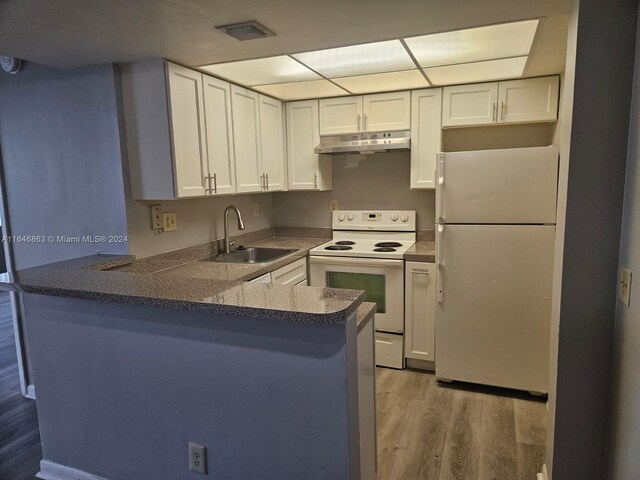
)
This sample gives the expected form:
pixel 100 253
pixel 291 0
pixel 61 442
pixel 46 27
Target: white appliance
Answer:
pixel 366 253
pixel 496 215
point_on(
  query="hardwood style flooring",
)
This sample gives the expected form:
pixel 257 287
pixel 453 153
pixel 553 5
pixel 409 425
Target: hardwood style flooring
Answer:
pixel 20 451
pixel 432 431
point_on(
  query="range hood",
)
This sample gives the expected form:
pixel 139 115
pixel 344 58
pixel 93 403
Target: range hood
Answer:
pixel 365 143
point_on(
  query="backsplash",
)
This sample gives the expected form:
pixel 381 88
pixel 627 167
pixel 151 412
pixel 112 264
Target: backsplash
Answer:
pixel 379 181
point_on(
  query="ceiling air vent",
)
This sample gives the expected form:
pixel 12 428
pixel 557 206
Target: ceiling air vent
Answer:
pixel 246 30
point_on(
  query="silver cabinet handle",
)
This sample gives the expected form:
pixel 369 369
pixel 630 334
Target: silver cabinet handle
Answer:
pixel 494 111
pixel 358 122
pixel 413 272
pixel 207 180
pixel 501 110
pixel 262 182
pixel 315 180
pixel 266 180
pixel 365 122
pixel 215 183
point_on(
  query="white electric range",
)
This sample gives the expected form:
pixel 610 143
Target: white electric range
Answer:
pixel 366 253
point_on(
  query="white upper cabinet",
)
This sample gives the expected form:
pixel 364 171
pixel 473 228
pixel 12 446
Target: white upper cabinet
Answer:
pixel 529 100
pixel 470 104
pixel 426 135
pixel 219 134
pixel 246 139
pixel 386 111
pixel 340 115
pixel 420 311
pixel 514 101
pixel 368 113
pixel 272 144
pixel 187 128
pixel 307 170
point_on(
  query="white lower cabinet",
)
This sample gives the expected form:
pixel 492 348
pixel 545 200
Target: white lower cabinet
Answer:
pixel 420 310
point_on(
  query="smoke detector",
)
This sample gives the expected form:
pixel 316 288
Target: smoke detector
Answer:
pixel 10 64
pixel 246 30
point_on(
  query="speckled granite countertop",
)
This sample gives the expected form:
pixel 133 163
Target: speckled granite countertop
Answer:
pixel 421 252
pixel 175 282
pixel 366 312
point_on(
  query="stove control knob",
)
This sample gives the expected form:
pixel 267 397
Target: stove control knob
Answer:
pixel 405 218
pixel 350 216
pixel 394 217
pixel 341 218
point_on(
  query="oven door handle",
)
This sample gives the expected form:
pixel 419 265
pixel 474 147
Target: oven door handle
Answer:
pixel 360 262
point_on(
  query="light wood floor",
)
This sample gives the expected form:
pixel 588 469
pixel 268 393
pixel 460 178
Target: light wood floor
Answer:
pixel 432 431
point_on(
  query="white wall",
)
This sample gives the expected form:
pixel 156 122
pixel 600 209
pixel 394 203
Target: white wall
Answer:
pixel 198 220
pixel 625 393
pixel 379 181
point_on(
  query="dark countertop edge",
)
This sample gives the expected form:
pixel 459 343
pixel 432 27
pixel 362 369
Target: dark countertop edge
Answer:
pixel 366 312
pixel 310 318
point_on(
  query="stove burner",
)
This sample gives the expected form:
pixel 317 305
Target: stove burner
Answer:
pixel 388 245
pixel 338 247
pixel 384 249
pixel 345 242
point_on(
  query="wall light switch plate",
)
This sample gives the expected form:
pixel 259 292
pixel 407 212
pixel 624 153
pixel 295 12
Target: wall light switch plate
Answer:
pixel 256 209
pixel 333 205
pixel 156 217
pixel 624 285
pixel 169 222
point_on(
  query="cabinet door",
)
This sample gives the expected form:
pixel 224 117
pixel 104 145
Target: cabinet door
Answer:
pixel 302 138
pixel 470 104
pixel 272 143
pixel 529 100
pixel 340 115
pixel 387 111
pixel 246 139
pixel 426 136
pixel 420 308
pixel 217 108
pixel 187 130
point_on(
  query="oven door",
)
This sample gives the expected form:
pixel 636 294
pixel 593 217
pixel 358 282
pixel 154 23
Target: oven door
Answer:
pixel 381 279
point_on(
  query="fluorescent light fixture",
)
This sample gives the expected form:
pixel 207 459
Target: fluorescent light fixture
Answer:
pixel 281 69
pixel 302 90
pixel 383 82
pixel 363 59
pixel 477 71
pixel 474 44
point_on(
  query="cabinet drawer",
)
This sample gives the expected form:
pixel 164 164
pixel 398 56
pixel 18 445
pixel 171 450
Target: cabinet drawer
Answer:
pixel 389 350
pixel 291 274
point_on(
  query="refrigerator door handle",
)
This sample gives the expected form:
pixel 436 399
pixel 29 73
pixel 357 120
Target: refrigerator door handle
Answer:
pixel 439 184
pixel 439 266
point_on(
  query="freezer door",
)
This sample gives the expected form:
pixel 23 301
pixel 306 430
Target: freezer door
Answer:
pixel 517 185
pixel 492 326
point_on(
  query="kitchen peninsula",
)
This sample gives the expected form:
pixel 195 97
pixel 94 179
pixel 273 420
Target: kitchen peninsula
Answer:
pixel 137 359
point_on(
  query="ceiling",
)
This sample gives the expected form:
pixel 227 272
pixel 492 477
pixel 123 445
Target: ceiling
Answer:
pixel 70 33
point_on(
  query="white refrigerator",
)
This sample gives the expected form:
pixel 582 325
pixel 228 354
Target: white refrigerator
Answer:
pixel 496 215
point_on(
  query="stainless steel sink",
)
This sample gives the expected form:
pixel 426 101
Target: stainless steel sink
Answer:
pixel 251 255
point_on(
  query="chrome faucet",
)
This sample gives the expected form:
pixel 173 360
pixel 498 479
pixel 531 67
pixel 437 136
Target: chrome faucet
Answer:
pixel 227 243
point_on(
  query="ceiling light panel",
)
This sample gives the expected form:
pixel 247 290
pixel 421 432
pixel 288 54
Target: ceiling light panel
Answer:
pixel 358 59
pixel 477 72
pixel 383 82
pixel 474 44
pixel 280 69
pixel 302 90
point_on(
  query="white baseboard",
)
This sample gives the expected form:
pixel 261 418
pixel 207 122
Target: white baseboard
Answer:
pixel 54 471
pixel 544 475
pixel 31 391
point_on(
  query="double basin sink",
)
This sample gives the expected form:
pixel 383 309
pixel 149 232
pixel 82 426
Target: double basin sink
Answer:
pixel 250 255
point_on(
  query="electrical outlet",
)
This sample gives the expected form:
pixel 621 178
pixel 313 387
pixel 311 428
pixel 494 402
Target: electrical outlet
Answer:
pixel 333 205
pixel 156 217
pixel 256 209
pixel 169 221
pixel 197 458
pixel 624 285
